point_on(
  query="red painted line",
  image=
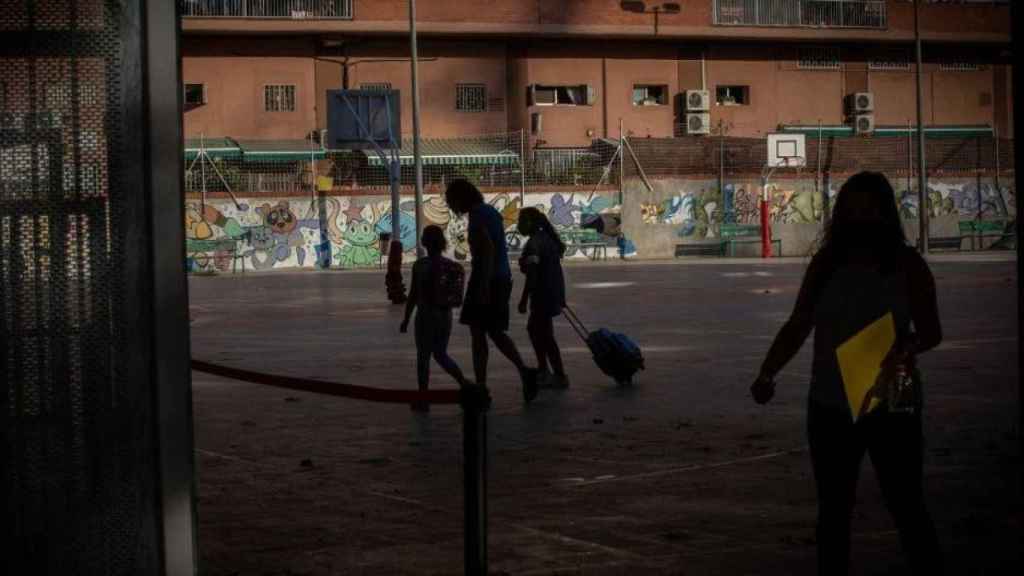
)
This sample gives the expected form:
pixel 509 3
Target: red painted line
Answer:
pixel 330 388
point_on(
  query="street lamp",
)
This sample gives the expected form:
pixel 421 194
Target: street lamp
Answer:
pixel 640 7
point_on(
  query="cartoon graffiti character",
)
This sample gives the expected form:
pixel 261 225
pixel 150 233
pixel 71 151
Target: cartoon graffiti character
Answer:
pixel 436 212
pixel 280 217
pixel 649 213
pixel 360 248
pixel 459 238
pixel 196 228
pixel 406 228
pixel 562 212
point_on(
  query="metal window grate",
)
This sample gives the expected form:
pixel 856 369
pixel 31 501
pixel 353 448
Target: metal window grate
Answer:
pixel 802 13
pixel 375 86
pixel 896 62
pixel 76 422
pixel 819 58
pixel 279 98
pixel 959 66
pixel 471 98
pixel 289 9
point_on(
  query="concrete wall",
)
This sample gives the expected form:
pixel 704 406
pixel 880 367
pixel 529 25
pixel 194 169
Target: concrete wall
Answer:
pixel 343 230
pixel 682 210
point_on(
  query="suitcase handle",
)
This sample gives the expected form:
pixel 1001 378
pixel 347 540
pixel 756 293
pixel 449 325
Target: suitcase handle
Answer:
pixel 574 321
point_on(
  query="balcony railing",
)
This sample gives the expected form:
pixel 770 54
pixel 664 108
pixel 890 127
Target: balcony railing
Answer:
pixel 802 13
pixel 286 9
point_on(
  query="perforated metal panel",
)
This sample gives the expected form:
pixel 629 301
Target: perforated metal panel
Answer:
pixel 77 416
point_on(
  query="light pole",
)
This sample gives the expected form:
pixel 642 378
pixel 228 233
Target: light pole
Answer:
pixel 417 159
pixel 922 177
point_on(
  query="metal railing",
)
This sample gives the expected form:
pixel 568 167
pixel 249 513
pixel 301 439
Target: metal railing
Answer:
pixel 802 13
pixel 287 9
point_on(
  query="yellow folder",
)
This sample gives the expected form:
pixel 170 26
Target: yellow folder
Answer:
pixel 860 361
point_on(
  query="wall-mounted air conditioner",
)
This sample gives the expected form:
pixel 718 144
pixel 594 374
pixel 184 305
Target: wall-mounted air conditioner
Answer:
pixel 698 123
pixel 698 100
pixel 864 123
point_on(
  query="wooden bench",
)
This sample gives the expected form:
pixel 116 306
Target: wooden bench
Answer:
pixel 585 239
pixel 733 234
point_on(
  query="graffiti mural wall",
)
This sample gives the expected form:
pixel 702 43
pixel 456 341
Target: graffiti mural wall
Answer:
pixel 698 209
pixel 343 231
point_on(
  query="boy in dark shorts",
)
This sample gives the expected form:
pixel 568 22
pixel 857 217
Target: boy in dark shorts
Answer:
pixel 486 306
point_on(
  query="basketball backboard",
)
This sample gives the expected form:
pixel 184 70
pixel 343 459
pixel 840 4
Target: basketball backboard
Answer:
pixel 786 150
pixel 357 119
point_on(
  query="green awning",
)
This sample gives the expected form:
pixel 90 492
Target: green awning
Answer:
pixel 215 148
pixel 881 131
pixel 280 150
pixel 451 152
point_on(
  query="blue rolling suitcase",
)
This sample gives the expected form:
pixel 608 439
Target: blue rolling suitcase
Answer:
pixel 614 353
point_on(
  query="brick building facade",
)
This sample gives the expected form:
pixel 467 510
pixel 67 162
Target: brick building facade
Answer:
pixel 567 72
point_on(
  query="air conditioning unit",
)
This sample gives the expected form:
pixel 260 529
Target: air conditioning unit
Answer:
pixel 864 123
pixel 698 101
pixel 861 103
pixel 698 123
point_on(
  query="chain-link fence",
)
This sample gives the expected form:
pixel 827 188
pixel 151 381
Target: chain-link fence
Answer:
pixel 265 204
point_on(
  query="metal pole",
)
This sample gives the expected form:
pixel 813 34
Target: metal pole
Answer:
pixel 721 159
pixel 817 177
pixel 522 167
pixel 910 158
pixel 476 402
pixel 622 165
pixel 999 189
pixel 766 233
pixel 417 160
pixel 922 177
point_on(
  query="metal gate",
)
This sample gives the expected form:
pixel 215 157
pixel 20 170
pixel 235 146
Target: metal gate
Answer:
pixel 80 434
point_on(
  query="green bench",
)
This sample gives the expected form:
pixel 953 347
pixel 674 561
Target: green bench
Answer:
pixel 228 246
pixel 586 239
pixel 733 234
pixel 729 236
pixel 976 230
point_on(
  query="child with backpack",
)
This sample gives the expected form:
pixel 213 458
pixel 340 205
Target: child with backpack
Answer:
pixel 544 293
pixel 437 284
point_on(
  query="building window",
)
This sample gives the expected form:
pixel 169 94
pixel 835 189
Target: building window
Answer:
pixel 955 65
pixel 195 94
pixel 58 96
pixel 375 86
pixel 732 95
pixel 471 98
pixel 818 58
pixel 896 62
pixel 574 95
pixel 279 98
pixel 650 95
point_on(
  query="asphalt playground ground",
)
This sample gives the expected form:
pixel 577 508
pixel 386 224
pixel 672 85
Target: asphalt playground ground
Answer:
pixel 680 474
